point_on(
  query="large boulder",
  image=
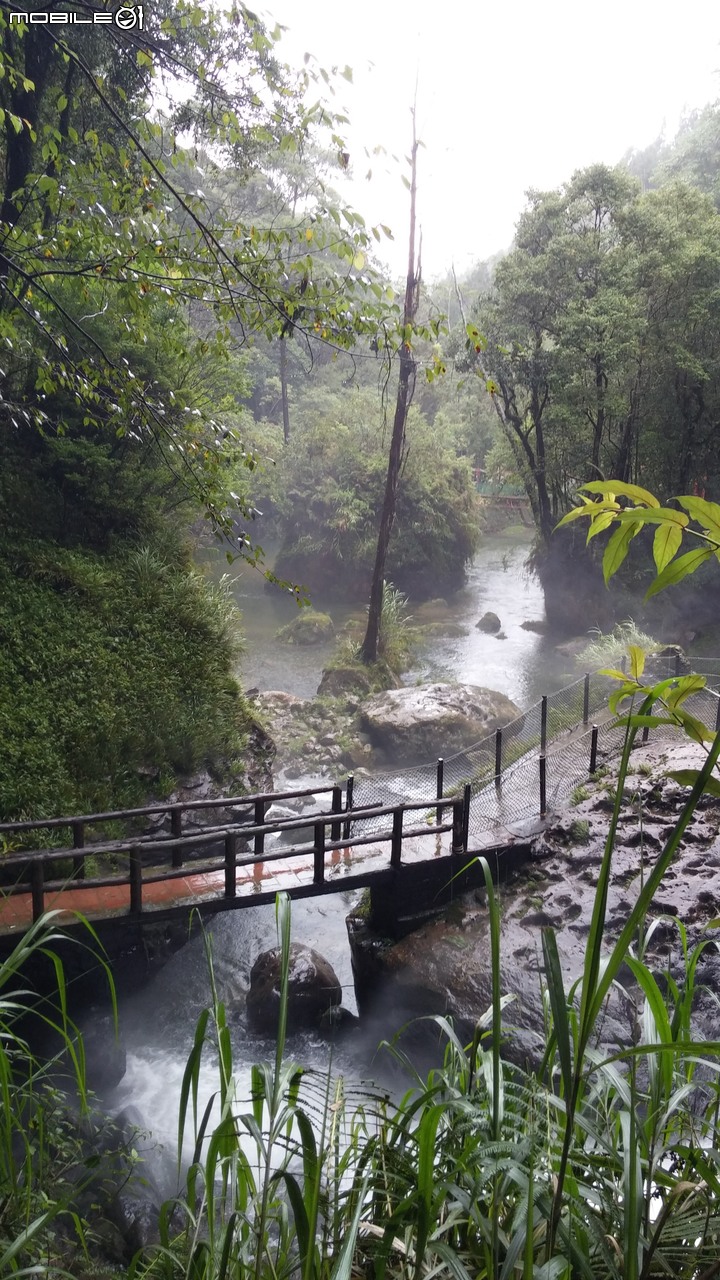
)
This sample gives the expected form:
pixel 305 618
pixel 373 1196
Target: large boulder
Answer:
pixel 489 622
pixel 309 627
pixel 313 989
pixel 422 722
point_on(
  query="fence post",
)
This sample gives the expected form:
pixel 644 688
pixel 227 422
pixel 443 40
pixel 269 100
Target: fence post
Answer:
pixel 543 722
pixel 717 716
pixel 350 787
pixel 135 881
pixel 259 846
pixel 176 832
pixel 498 757
pixel 586 698
pixel 319 854
pixel 78 830
pixel 336 828
pixel 37 873
pixel 457 831
pixel 396 844
pixel 593 748
pixel 440 783
pixel 466 816
pixel 543 786
pixel 230 868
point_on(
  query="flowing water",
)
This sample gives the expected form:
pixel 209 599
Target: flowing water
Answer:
pixel 158 1024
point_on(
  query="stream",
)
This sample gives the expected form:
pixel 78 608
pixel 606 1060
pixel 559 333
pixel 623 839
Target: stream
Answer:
pixel 158 1023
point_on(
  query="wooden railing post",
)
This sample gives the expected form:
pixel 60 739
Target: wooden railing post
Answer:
pixel 135 880
pixel 176 832
pixel 457 831
pixel 586 698
pixel 593 748
pixel 543 786
pixel 349 788
pixel 396 842
pixel 230 868
pixel 466 817
pixel 37 873
pixel 498 757
pixel 543 723
pixel 78 831
pixel 439 785
pixel 336 807
pixel 259 846
pixel 319 854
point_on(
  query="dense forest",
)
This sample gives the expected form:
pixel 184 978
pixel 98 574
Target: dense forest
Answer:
pixel 199 335
pixel 199 348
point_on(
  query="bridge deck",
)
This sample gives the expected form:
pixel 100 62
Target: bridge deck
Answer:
pixel 254 883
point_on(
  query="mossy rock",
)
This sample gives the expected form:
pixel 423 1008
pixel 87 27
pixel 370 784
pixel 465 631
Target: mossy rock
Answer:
pixel 309 627
pixel 355 678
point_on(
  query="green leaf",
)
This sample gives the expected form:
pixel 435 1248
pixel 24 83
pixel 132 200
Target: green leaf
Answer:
pixel 558 1004
pixel 668 538
pixel 688 778
pixel 706 513
pixel 684 687
pixel 618 487
pixel 601 522
pixel 637 660
pixel 693 727
pixel 679 569
pixel 616 550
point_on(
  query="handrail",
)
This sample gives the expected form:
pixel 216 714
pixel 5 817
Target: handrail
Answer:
pixel 220 802
pixel 169 843
pixel 134 879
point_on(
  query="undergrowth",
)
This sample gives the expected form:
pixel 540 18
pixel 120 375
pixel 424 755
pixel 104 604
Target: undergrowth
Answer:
pixel 115 671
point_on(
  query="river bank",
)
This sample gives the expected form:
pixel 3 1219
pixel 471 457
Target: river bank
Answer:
pixel 444 967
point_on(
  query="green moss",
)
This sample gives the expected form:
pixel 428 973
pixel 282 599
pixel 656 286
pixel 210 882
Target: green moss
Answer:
pixel 309 627
pixel 115 672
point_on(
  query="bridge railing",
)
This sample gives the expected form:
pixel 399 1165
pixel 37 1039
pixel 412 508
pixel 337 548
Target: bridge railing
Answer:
pixel 540 758
pixel 146 861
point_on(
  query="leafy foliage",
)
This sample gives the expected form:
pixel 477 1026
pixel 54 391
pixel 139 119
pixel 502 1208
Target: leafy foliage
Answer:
pixel 329 489
pixel 50 1164
pixel 111 245
pixel 111 666
pixel 671 527
pixel 598 340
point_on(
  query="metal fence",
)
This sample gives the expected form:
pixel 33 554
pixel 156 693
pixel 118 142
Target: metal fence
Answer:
pixel 536 762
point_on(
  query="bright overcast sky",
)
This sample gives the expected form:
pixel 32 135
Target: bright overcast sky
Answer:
pixel 511 96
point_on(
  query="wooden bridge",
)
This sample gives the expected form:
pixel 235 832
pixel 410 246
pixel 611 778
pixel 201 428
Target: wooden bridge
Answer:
pixel 410 859
pixel 518 503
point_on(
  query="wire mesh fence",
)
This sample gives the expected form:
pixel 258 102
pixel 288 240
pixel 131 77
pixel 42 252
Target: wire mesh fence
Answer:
pixel 520 773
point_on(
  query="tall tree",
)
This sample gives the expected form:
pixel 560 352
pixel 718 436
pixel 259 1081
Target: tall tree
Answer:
pixel 103 214
pixel 406 386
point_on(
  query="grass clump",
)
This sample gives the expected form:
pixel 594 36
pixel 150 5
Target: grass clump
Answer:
pixel 580 831
pixel 609 649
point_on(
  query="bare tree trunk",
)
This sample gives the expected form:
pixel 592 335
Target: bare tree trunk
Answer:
pixel 284 389
pixel 406 387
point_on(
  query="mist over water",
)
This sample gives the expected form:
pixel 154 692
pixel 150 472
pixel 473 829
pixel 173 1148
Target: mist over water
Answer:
pixel 524 665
